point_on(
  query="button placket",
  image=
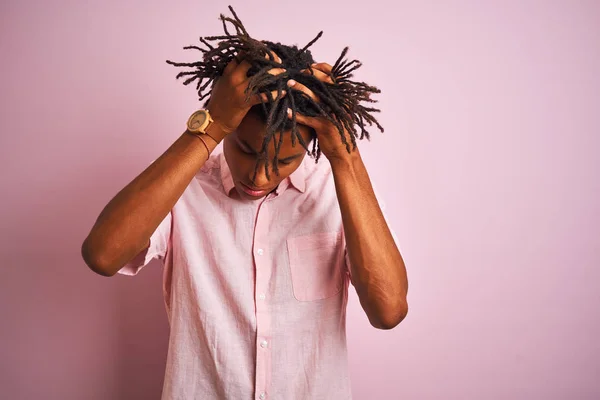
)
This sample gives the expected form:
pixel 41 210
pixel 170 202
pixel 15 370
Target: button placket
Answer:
pixel 263 317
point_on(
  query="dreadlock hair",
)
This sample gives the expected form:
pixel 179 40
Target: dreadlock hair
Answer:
pixel 339 102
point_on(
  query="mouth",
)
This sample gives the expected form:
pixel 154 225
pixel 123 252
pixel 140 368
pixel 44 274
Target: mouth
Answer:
pixel 253 192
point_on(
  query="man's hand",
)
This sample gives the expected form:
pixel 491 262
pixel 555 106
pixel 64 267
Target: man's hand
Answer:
pixel 330 142
pixel 228 103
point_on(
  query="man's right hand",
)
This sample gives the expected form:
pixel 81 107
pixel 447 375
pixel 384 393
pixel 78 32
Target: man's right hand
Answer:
pixel 228 104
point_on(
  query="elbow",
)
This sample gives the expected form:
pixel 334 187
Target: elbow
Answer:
pixel 391 317
pixel 94 260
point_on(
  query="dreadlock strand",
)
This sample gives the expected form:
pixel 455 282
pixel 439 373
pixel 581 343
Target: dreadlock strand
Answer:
pixel 296 132
pixel 223 20
pixel 346 68
pixel 206 43
pixel 349 127
pixel 314 148
pixel 192 47
pixel 235 24
pixel 339 60
pixel 190 80
pixel 277 148
pixel 292 107
pixel 201 89
pixel 261 79
pixel 277 126
pixel 361 125
pixel 311 42
pixel 238 20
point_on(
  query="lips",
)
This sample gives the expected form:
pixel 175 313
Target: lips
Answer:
pixel 254 192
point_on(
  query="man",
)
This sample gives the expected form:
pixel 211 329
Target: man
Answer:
pixel 259 244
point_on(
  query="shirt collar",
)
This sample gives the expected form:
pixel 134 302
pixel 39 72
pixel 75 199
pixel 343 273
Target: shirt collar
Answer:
pixel 297 179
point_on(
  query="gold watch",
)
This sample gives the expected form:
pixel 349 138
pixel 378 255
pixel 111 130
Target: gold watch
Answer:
pixel 199 122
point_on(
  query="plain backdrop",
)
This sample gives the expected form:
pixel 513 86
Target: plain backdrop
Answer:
pixel 489 168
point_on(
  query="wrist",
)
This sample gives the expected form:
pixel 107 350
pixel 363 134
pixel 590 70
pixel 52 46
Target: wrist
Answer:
pixel 203 141
pixel 345 161
pixel 216 131
pixel 221 125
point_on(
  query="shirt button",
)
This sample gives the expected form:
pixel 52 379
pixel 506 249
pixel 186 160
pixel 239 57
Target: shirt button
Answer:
pixel 260 252
pixel 262 296
pixel 263 344
pixel 262 396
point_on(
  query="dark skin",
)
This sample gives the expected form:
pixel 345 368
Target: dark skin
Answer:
pixel 241 147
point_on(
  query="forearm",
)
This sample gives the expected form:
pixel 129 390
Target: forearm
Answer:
pixel 377 267
pixel 126 224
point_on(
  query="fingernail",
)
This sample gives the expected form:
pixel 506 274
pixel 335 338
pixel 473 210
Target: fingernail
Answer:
pixel 291 82
pixel 289 111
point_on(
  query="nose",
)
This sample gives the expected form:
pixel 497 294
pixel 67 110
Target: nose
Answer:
pixel 260 180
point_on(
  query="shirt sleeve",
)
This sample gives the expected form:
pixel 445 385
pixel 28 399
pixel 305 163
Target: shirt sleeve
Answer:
pixel 382 206
pixel 159 245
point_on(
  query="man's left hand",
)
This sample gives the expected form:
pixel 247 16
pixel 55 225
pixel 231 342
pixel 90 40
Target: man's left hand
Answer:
pixel 330 141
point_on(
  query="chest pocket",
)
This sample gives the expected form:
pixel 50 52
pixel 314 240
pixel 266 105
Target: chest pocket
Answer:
pixel 316 265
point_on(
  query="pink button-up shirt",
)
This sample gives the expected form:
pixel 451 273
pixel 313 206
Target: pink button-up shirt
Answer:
pixel 255 291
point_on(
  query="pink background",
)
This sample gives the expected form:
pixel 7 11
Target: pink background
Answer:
pixel 489 167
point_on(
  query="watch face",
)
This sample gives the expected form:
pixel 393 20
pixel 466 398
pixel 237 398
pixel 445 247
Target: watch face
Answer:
pixel 197 120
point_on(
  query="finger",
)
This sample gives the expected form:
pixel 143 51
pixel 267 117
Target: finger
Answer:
pixel 298 86
pixel 243 67
pixel 323 67
pixel 273 56
pixel 320 75
pixel 230 67
pixel 264 98
pixel 313 122
pixel 276 71
pixel 240 56
pixel 241 71
pixel 239 74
